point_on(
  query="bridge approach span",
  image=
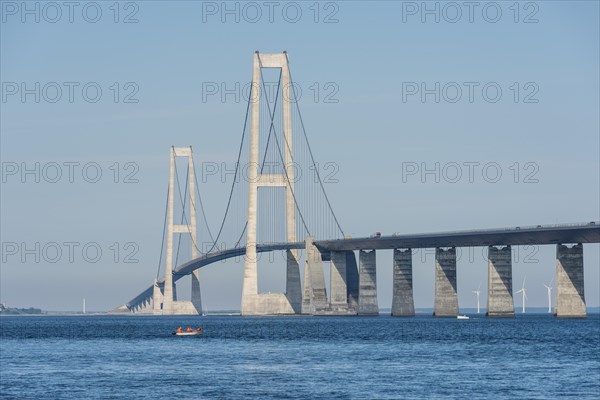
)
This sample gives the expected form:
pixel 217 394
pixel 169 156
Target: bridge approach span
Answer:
pixel 190 266
pixel 518 236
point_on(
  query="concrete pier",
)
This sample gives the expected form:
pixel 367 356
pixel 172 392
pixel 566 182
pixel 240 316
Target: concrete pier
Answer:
pixel 446 299
pixel 352 284
pixel 183 308
pixel 293 286
pixel 500 293
pixel 196 296
pixel 315 293
pixel 367 296
pixel 254 303
pixel 570 298
pixel 157 298
pixel 177 307
pixel 403 304
pixel 339 291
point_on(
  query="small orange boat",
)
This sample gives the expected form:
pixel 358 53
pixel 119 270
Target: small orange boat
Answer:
pixel 188 333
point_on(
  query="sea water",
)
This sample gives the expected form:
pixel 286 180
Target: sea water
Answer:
pixel 137 357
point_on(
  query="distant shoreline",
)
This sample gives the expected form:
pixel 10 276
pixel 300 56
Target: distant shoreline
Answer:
pixel 382 312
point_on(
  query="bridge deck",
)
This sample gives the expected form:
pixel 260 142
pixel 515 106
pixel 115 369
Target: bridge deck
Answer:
pixel 548 234
pixel 540 235
pixel 190 266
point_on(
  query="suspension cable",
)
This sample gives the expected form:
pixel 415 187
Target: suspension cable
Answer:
pixel 215 240
pixel 235 175
pixel 271 128
pixel 310 150
pixel 237 167
pixel 279 150
pixel 162 246
pixel 264 156
pixel 200 202
pixel 184 217
pixel 271 132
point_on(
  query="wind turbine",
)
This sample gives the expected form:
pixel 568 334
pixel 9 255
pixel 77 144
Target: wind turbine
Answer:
pixel 549 287
pixel 477 292
pixel 523 290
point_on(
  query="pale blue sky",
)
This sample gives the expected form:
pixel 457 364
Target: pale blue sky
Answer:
pixel 369 132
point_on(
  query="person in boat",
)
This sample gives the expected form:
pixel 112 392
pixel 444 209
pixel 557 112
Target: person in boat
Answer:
pixel 179 330
pixel 189 329
pixel 199 330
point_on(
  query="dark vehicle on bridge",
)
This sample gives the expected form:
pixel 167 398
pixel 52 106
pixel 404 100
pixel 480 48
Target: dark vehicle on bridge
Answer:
pixel 376 235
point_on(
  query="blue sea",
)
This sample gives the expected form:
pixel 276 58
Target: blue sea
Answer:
pixel 88 357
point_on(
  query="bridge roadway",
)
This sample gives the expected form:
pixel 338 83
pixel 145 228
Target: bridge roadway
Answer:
pixel 190 266
pixel 518 236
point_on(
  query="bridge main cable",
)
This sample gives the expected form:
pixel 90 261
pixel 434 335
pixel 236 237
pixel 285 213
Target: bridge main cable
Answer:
pixel 272 127
pixel 309 148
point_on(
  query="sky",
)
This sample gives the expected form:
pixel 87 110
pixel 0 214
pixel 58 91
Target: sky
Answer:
pixel 437 116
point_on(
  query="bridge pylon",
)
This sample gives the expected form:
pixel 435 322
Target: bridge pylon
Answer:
pixel 290 302
pixel 170 305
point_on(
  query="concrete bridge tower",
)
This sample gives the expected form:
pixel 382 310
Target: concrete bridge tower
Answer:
pixel 168 297
pixel 290 302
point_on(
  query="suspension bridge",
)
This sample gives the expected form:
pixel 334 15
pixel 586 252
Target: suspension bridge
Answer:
pixel 277 203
